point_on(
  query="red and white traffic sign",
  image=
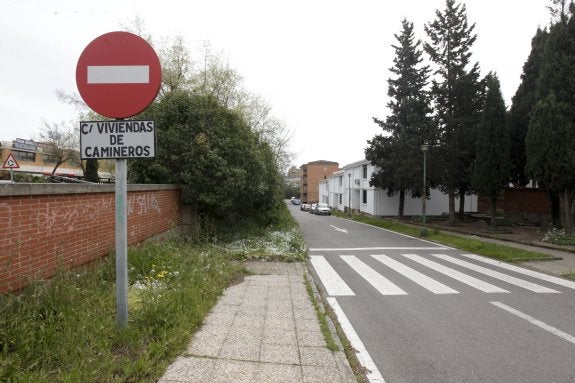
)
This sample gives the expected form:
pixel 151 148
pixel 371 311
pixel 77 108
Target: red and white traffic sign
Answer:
pixel 118 74
pixel 10 162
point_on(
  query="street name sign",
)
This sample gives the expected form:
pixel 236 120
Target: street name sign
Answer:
pixel 117 139
pixel 118 74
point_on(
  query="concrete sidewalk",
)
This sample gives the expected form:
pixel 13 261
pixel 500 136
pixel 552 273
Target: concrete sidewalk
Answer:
pixel 264 329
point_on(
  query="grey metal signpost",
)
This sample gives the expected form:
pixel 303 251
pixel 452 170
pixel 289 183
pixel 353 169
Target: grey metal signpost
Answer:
pixel 118 75
pixel 121 190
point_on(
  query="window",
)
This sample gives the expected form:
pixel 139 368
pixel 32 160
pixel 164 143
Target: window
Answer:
pixel 340 198
pixel 340 181
pixel 364 168
pixel 364 196
pixel 49 159
pixel 24 156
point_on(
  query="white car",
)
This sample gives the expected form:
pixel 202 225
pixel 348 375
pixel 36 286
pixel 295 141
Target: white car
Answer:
pixel 322 209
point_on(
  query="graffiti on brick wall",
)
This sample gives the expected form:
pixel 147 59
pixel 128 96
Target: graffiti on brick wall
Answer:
pixel 65 219
pixel 143 204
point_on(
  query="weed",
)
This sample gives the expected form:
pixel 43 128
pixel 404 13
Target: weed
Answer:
pixel 324 326
pixel 558 237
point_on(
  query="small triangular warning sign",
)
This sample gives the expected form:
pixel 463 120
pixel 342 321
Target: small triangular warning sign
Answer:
pixel 10 162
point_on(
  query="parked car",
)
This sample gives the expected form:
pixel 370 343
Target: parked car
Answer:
pixel 312 208
pixel 304 207
pixel 295 201
pixel 322 209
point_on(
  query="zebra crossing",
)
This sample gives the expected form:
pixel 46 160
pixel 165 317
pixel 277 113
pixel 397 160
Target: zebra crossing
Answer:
pixel 457 268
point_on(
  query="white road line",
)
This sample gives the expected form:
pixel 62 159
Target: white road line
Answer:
pixel 536 322
pixel 463 278
pixel 395 232
pixel 417 277
pixel 334 285
pixel 118 74
pixel 373 374
pixel 377 248
pixel 521 270
pixel 496 274
pixel 378 281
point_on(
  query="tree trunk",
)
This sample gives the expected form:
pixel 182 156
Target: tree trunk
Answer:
pixel 451 194
pixel 567 210
pixel 401 203
pixel 555 209
pixel 462 204
pixel 493 213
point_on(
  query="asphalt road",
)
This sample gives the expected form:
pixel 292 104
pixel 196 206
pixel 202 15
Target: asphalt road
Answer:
pixel 428 313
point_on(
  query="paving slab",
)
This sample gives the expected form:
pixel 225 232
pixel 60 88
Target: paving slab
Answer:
pixel 264 329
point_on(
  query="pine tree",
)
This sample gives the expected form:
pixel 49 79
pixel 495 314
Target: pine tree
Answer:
pixel 491 171
pixel 457 93
pixel 398 156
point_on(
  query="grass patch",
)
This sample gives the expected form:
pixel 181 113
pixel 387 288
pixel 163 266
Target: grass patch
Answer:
pixel 64 329
pixel 330 342
pixel 569 276
pixel 476 246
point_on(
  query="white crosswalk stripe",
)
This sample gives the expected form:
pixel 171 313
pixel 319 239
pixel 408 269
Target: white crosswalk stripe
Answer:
pixel 521 270
pixel 336 286
pixel 417 277
pixel 332 282
pixel 459 276
pixel 496 274
pixel 381 284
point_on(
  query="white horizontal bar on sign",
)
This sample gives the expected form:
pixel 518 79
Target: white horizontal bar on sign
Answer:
pixel 118 74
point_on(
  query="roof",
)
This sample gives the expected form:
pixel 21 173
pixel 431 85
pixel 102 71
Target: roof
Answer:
pixel 360 162
pixel 322 162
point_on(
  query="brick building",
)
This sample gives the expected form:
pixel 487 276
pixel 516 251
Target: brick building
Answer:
pixel 34 158
pixel 311 174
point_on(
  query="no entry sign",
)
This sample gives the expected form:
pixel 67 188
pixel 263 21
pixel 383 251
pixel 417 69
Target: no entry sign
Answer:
pixel 118 74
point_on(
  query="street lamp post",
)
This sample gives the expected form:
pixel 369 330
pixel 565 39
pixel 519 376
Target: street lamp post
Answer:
pixel 349 194
pixel 424 149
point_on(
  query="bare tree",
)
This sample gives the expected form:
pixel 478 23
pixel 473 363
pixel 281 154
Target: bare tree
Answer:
pixel 60 142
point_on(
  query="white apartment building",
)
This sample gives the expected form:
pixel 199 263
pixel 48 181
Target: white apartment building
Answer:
pixel 350 187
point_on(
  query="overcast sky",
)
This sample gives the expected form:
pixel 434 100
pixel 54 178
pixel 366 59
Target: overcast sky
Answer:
pixel 321 64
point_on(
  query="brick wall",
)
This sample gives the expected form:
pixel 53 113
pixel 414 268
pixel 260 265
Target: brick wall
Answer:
pixel 45 226
pixel 520 205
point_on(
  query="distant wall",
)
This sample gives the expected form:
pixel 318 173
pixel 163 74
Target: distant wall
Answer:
pixel 520 205
pixel 46 226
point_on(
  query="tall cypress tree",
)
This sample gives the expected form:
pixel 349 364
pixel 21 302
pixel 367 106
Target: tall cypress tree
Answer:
pixel 522 103
pixel 491 171
pixel 397 156
pixel 550 142
pixel 457 93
